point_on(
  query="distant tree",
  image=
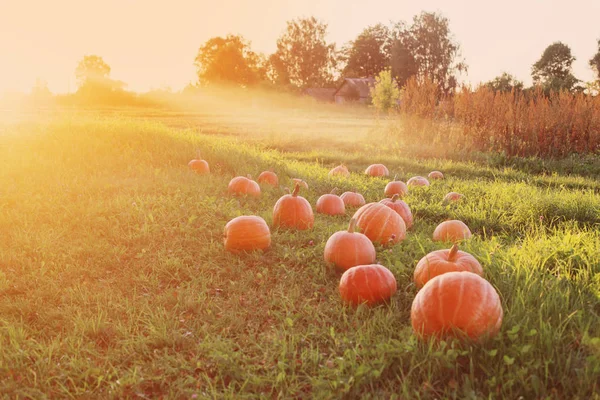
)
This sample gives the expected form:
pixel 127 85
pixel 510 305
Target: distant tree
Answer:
pixel 385 94
pixel 505 83
pixel 553 71
pixel 95 85
pixel 595 62
pixel 228 60
pixel 303 57
pixel 91 69
pixel 403 63
pixel 369 53
pixel 40 89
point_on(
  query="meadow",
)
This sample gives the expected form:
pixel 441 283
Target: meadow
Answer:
pixel 114 282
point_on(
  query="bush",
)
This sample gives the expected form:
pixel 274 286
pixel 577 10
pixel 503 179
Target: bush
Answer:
pixel 385 93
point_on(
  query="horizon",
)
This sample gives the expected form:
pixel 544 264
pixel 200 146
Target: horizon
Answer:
pixel 158 50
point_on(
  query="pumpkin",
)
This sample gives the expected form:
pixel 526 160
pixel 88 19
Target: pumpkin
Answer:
pixel 435 175
pixel 242 186
pixel 331 204
pixel 377 170
pixel 396 187
pixel 452 197
pixel 381 224
pixel 199 166
pixel 417 181
pixel 268 178
pixel 401 208
pixel 340 170
pixel 451 231
pixel 347 249
pixel 353 199
pixel 247 233
pixel 370 284
pixel 456 303
pixel 293 211
pixel 442 261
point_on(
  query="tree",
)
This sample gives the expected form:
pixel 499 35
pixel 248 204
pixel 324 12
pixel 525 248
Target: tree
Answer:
pixel 228 60
pixel 385 94
pixel 553 71
pixel 595 62
pixel 91 69
pixel 402 61
pixel 303 57
pixel 369 53
pixel 505 83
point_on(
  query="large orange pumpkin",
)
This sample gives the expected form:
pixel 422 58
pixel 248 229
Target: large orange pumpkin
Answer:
pixel 396 187
pixel 347 249
pixel 246 233
pixel 242 186
pixel 417 181
pixel 451 231
pixel 331 204
pixel 456 303
pixel 381 224
pixel 269 178
pixel 442 261
pixel 340 170
pixel 353 199
pixel 370 284
pixel 199 166
pixel 293 211
pixel 452 197
pixel 435 175
pixel 377 170
pixel 401 208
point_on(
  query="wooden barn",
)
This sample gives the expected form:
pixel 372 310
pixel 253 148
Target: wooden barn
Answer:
pixel 354 90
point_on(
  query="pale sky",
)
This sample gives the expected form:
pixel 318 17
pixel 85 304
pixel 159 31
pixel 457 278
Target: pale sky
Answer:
pixel 152 43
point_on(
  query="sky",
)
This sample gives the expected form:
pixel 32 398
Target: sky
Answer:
pixel 152 43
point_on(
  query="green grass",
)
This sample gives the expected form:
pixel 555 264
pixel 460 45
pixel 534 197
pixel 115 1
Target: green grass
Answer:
pixel 114 282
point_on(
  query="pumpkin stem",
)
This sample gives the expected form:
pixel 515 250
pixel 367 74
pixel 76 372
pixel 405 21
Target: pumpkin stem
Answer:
pixel 395 197
pixel 352 225
pixel 249 176
pixel 296 189
pixel 453 252
pixel 198 154
pixel 396 177
pixel 334 191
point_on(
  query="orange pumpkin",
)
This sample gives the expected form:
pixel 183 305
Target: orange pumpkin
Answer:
pixel 442 261
pixel 451 231
pixel 340 170
pixel 401 208
pixel 247 233
pixel 331 204
pixel 199 166
pixel 456 303
pixel 293 211
pixel 417 181
pixel 353 199
pixel 370 284
pixel 452 197
pixel 377 170
pixel 396 187
pixel 347 249
pixel 242 186
pixel 435 175
pixel 381 224
pixel 269 178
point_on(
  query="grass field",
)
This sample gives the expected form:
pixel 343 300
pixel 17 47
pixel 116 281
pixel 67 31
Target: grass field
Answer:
pixel 114 282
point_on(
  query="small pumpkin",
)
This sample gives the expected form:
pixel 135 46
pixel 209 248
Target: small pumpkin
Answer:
pixel 456 303
pixel 380 223
pixel 340 170
pixel 353 199
pixel 377 170
pixel 331 204
pixel 442 261
pixel 435 175
pixel 199 166
pixel 452 197
pixel 417 181
pixel 451 231
pixel 242 186
pixel 396 187
pixel 401 208
pixel 268 178
pixel 347 249
pixel 370 284
pixel 247 233
pixel 293 211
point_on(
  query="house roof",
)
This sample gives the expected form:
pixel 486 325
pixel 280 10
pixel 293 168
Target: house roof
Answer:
pixel 362 85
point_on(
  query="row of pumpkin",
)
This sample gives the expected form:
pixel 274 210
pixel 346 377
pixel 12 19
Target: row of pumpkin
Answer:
pixel 454 298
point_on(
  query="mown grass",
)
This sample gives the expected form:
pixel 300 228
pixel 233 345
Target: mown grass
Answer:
pixel 114 282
